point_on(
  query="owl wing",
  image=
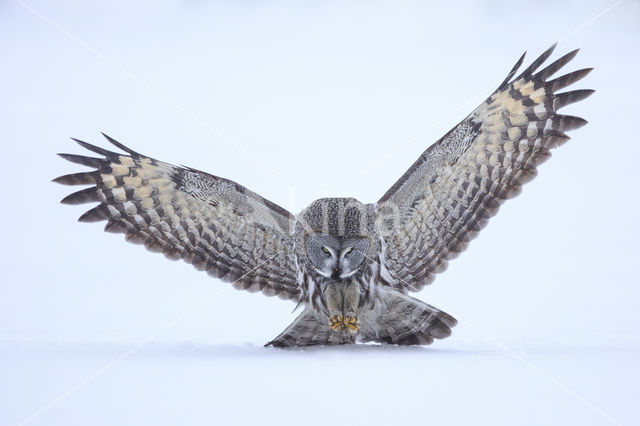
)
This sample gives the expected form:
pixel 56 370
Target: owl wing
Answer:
pixel 213 223
pixel 458 183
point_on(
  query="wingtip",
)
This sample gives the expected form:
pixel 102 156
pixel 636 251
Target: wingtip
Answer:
pixel 513 71
pixel 549 50
pixel 81 142
pixel 65 156
pixel 109 138
pixel 542 58
pixel 570 122
pixel 68 200
pixel 521 60
pixel 572 54
pixel 119 145
pixel 556 65
pixel 579 122
pixel 83 160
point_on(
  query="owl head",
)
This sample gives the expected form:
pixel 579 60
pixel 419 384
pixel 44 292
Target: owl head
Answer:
pixel 335 237
pixel 336 258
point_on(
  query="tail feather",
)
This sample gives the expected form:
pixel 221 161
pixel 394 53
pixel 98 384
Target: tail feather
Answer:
pixel 395 319
pixel 402 320
pixel 308 330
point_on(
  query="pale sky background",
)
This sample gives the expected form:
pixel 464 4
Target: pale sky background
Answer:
pixel 299 100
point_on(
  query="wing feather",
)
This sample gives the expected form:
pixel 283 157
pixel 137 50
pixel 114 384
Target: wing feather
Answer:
pixel 213 223
pixel 448 195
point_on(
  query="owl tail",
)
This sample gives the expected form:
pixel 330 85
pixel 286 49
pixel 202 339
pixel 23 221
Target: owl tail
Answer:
pixel 395 319
pixel 308 330
pixel 402 320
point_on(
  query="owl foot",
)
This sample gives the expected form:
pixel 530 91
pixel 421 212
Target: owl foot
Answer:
pixel 335 322
pixel 338 322
pixel 351 323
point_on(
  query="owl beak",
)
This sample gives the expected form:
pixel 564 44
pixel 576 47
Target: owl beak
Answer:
pixel 336 274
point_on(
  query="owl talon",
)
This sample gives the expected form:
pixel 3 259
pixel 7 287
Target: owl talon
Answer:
pixel 335 322
pixel 351 323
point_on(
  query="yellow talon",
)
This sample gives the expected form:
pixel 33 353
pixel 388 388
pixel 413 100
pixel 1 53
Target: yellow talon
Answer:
pixel 353 327
pixel 336 322
pixel 351 323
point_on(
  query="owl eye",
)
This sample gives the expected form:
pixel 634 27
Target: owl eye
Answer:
pixel 348 251
pixel 324 249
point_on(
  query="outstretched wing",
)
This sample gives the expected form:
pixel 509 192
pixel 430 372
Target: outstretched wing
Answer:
pixel 458 183
pixel 213 223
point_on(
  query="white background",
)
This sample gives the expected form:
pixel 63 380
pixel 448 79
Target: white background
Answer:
pixel 299 100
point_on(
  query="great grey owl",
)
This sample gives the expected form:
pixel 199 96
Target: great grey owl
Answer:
pixel 349 265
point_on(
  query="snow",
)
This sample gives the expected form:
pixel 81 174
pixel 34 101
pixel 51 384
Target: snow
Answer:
pixel 452 382
pixel 299 100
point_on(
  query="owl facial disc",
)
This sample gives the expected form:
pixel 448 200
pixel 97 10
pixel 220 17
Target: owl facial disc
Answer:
pixel 335 257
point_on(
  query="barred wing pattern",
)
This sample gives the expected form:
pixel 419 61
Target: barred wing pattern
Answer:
pixel 447 196
pixel 213 223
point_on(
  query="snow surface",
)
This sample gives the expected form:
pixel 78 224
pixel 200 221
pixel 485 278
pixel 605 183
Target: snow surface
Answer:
pixel 299 100
pixel 450 383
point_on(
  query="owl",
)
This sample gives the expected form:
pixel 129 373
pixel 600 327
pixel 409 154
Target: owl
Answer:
pixel 348 265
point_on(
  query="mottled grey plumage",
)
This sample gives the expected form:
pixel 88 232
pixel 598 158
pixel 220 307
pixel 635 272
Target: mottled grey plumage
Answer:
pixel 349 264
